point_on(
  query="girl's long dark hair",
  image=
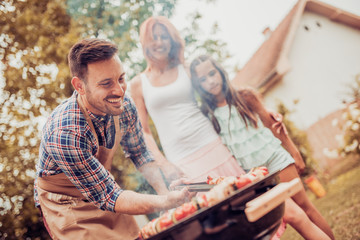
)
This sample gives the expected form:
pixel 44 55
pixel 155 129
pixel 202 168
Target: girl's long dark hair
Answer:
pixel 209 102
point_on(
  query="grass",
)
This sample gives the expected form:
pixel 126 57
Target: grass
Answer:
pixel 340 206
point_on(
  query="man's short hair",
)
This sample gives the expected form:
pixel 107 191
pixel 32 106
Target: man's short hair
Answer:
pixel 89 51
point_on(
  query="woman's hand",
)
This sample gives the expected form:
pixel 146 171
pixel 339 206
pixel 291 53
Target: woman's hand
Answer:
pixel 170 171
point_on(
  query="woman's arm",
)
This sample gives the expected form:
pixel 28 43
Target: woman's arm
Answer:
pixel 170 171
pixel 272 121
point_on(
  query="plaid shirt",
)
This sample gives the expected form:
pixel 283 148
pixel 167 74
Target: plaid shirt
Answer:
pixel 68 146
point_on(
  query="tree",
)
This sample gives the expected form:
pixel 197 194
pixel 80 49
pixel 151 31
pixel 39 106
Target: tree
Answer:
pixel 350 124
pixel 212 45
pixel 35 38
pixel 120 21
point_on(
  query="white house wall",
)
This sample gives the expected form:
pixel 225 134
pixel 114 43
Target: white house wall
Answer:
pixel 324 59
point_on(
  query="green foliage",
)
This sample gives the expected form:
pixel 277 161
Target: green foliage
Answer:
pixel 35 37
pixel 350 128
pixel 196 46
pixel 120 21
pixel 354 89
pixel 300 140
pixel 350 140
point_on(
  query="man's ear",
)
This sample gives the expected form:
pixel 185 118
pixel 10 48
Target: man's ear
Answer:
pixel 79 85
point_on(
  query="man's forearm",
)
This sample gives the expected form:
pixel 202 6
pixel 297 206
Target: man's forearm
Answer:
pixel 130 202
pixel 152 172
pixel 133 203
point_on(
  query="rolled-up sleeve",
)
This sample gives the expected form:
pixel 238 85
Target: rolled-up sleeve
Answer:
pixel 133 141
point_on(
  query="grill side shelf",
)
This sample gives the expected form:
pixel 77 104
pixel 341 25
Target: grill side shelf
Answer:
pixel 258 207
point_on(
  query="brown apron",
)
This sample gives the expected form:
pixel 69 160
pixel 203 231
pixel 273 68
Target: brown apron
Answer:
pixel 70 216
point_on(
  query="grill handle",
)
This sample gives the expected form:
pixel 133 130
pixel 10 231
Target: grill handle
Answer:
pixel 258 207
pixel 217 229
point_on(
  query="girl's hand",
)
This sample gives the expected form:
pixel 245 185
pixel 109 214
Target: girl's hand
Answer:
pixel 278 125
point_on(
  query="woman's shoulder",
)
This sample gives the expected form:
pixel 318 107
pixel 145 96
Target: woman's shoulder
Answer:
pixel 136 86
pixel 136 78
pixel 136 81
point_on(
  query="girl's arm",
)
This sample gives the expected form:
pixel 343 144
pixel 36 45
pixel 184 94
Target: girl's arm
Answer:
pixel 170 171
pixel 273 121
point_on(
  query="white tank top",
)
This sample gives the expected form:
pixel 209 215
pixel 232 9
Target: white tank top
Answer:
pixel 181 126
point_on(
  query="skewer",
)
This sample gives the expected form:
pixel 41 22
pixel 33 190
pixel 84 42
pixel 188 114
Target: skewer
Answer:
pixel 195 183
pixel 202 187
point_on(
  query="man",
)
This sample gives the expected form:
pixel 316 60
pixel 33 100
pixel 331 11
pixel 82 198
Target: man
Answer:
pixel 77 195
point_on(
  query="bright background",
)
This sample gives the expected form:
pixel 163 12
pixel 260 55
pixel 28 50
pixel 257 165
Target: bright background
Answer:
pixel 241 22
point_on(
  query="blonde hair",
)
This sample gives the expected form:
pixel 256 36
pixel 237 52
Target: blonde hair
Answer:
pixel 176 55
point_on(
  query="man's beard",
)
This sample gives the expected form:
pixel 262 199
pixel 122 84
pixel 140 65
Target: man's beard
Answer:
pixel 104 106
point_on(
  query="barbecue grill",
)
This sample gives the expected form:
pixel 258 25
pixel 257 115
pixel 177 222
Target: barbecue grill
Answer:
pixel 253 212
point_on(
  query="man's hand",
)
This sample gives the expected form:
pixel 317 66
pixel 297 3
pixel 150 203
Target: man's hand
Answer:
pixel 130 202
pixel 178 182
pixel 176 198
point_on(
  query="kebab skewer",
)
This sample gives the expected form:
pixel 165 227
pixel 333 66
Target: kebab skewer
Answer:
pixel 224 187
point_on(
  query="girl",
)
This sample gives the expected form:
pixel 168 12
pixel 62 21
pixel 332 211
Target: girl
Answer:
pixel 245 127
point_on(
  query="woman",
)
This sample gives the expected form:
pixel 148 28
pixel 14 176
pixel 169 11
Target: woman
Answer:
pixel 245 127
pixel 164 93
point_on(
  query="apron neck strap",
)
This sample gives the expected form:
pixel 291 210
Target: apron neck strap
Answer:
pixel 88 119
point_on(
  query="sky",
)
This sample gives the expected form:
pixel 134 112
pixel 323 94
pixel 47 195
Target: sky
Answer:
pixel 241 22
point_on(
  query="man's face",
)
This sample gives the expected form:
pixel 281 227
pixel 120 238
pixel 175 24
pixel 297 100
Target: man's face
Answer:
pixel 105 87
